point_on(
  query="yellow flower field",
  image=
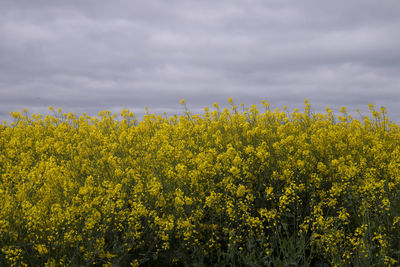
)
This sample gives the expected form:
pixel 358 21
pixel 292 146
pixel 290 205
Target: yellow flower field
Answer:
pixel 238 187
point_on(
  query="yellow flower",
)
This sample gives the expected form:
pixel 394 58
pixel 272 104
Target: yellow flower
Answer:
pixel 41 249
pixel 224 182
pixel 241 191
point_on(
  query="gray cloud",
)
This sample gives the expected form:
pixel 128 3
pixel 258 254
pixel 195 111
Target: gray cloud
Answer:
pixel 86 56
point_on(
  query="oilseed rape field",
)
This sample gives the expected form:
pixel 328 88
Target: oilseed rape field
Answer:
pixel 228 187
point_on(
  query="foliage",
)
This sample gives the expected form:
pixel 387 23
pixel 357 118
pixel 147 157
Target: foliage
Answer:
pixel 239 187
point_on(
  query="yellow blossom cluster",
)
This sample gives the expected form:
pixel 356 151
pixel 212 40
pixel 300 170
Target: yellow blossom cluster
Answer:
pixel 237 186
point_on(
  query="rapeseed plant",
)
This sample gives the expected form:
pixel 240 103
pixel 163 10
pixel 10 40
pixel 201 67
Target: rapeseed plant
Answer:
pixel 220 188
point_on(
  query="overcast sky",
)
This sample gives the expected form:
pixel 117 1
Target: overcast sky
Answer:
pixel 92 55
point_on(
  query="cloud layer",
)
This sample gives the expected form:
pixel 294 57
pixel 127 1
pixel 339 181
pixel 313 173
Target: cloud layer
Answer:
pixel 87 56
